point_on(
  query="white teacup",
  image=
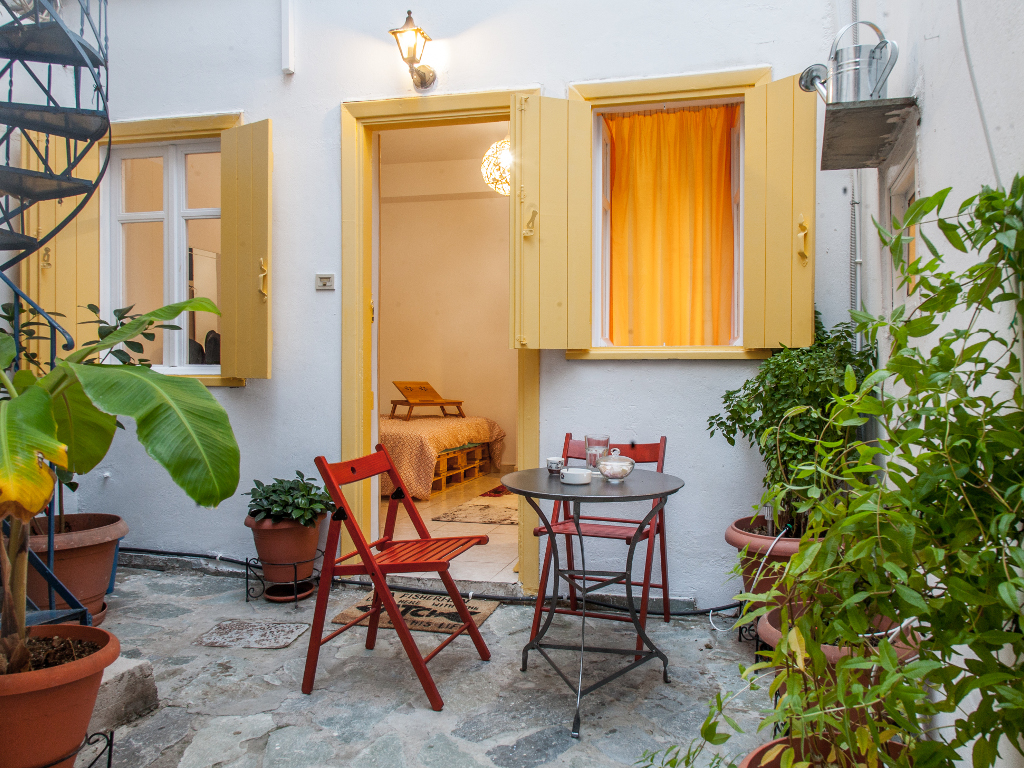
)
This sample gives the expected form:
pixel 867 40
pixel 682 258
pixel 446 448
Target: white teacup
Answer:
pixel 574 476
pixel 555 464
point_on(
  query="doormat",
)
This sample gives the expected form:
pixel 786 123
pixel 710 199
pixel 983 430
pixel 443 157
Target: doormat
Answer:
pixel 490 508
pixel 251 634
pixel 422 613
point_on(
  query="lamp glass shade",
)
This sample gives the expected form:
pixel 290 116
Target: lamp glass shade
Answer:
pixel 411 41
pixel 496 167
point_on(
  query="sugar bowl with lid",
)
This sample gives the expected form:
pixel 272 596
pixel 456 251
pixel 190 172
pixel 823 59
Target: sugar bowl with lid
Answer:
pixel 614 467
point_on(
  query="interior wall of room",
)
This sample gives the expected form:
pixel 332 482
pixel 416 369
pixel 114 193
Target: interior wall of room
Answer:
pixel 442 308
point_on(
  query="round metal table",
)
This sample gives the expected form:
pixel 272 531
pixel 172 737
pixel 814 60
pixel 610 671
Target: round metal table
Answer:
pixel 640 485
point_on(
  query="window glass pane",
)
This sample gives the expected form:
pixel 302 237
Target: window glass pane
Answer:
pixel 202 180
pixel 144 277
pixel 143 184
pixel 203 237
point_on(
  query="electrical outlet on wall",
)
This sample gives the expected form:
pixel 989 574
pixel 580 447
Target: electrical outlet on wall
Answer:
pixel 324 281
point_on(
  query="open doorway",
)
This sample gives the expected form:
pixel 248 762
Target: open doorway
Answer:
pixel 441 306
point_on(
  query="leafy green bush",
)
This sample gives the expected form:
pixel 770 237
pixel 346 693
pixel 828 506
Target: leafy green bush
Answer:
pixel 301 500
pixel 798 376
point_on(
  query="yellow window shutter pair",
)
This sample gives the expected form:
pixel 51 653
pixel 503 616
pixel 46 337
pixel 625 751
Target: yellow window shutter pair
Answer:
pixel 64 276
pixel 551 216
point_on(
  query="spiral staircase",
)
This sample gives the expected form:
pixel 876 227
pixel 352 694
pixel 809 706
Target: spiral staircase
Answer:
pixel 53 63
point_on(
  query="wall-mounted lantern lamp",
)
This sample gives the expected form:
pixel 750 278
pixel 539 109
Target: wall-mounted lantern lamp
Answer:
pixel 411 42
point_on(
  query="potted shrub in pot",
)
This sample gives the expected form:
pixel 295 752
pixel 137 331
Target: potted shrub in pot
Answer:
pixel 46 699
pixel 921 527
pixel 285 518
pixel 760 412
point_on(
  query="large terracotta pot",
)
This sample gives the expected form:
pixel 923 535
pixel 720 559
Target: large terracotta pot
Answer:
pixel 740 535
pixel 810 744
pixel 83 560
pixel 769 629
pixel 45 713
pixel 282 542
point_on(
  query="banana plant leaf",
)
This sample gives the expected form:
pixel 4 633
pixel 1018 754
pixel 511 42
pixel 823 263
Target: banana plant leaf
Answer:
pixel 140 324
pixel 85 429
pixel 28 434
pixel 178 421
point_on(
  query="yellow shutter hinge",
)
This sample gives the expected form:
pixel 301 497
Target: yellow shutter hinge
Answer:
pixel 521 341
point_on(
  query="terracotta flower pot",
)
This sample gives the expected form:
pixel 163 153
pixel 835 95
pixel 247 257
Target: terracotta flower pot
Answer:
pixel 83 560
pixel 283 542
pixel 769 629
pixel 739 535
pixel 45 713
pixel 810 744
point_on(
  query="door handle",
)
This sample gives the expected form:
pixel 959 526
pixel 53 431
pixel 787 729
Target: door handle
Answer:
pixel 531 226
pixel 801 233
pixel 264 278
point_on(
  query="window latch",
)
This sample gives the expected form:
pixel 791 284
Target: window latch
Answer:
pixel 530 229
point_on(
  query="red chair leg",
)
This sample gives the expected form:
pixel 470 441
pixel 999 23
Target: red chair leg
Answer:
pixel 411 649
pixel 320 612
pixel 570 564
pixel 646 593
pixel 467 619
pixel 542 589
pixel 664 567
pixel 371 628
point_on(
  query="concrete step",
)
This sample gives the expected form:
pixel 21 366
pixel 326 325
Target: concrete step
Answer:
pixel 128 692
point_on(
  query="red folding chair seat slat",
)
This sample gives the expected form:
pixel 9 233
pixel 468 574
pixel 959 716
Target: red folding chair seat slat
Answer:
pixel 592 526
pixel 377 560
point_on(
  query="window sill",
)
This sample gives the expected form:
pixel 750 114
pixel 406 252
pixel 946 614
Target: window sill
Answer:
pixel 668 353
pixel 216 381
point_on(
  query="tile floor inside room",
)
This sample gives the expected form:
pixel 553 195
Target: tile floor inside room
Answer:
pixel 493 562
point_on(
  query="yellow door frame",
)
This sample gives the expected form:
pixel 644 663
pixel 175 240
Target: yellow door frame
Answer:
pixel 359 120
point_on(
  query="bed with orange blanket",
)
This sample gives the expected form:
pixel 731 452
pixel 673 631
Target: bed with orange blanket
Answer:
pixel 414 446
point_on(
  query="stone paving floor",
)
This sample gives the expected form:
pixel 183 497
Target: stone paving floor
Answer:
pixel 242 708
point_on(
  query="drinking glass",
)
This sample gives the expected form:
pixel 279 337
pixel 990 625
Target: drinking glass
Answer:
pixel 597 447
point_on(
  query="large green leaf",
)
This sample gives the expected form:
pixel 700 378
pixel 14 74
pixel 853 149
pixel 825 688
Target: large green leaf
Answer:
pixel 86 430
pixel 27 437
pixel 140 324
pixel 179 422
pixel 8 350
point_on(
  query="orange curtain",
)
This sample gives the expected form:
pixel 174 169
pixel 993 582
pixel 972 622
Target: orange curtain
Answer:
pixel 672 227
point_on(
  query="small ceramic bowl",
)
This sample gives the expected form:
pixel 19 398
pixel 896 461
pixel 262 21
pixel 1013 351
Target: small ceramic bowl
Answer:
pixel 615 468
pixel 574 476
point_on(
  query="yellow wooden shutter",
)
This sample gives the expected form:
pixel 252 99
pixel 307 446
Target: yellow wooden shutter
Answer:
pixel 245 294
pixel 64 275
pixel 550 221
pixel 780 126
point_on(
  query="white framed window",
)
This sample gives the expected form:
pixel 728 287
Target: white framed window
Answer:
pixel 659 292
pixel 165 245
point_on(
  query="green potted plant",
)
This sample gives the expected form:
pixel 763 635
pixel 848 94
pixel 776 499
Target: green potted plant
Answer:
pixel 914 535
pixel 797 376
pixel 85 544
pixel 68 417
pixel 285 518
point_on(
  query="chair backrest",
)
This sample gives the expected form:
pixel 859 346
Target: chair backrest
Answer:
pixel 641 453
pixel 347 472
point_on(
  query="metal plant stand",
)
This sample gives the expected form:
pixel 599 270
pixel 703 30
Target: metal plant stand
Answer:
pixel 254 573
pixel 641 485
pixel 90 740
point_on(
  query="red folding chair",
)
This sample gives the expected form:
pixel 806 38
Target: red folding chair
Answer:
pixel 403 556
pixel 623 529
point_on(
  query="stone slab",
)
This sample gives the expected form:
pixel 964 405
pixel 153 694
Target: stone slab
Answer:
pixel 128 691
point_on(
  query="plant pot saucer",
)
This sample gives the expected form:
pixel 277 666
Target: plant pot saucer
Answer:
pixel 285 593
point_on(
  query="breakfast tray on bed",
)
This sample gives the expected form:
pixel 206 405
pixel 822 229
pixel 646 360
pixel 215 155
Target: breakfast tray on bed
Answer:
pixel 419 394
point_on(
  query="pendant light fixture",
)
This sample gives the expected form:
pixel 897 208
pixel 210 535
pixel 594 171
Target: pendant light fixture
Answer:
pixel 496 167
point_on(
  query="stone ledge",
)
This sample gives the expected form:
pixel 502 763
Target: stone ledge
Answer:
pixel 128 692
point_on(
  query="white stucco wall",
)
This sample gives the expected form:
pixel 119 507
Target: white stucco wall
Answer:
pixel 191 57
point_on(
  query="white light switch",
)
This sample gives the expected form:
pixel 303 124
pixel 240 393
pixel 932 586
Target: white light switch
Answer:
pixel 324 282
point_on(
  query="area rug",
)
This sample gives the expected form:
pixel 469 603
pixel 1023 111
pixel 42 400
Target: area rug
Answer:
pixel 498 506
pixel 422 613
pixel 251 634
